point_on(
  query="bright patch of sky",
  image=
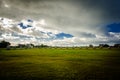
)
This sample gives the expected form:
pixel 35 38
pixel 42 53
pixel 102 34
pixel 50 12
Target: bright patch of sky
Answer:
pixel 6 5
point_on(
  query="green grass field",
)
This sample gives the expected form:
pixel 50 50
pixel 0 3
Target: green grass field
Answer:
pixel 60 64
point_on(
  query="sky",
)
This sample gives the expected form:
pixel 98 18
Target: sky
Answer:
pixel 60 22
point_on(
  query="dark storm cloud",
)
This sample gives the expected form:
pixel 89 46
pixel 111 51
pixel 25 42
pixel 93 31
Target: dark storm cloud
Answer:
pixel 110 8
pixel 74 15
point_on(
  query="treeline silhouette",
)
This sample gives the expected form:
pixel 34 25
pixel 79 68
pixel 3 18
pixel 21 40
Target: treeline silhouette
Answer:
pixel 5 44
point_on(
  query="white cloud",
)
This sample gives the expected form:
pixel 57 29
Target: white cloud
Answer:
pixel 5 4
pixel 38 34
pixel 42 22
pixel 115 35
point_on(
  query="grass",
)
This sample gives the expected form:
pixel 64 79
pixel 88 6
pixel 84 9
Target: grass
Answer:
pixel 60 64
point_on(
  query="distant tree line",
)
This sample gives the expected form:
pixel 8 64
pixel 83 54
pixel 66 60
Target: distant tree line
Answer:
pixel 106 46
pixel 41 46
pixel 25 46
pixel 5 44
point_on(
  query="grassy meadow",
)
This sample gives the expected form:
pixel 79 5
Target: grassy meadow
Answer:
pixel 59 64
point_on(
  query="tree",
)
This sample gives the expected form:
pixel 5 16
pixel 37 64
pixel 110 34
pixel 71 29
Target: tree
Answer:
pixel 91 46
pixel 117 45
pixel 4 44
pixel 103 45
pixel 106 45
pixel 42 45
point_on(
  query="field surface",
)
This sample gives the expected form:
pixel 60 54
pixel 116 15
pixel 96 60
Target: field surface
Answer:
pixel 60 64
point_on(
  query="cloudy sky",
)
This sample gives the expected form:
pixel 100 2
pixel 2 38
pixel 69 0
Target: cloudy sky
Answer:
pixel 60 22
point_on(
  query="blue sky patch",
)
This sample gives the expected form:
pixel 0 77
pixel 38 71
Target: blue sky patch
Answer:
pixel 29 20
pixel 115 27
pixel 62 35
pixel 23 26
